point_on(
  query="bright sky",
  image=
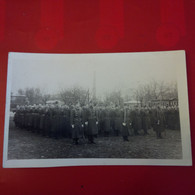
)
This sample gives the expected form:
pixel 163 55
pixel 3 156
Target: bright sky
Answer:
pixel 116 71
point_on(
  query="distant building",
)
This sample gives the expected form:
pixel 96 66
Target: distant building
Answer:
pixel 132 103
pixel 166 102
pixel 18 100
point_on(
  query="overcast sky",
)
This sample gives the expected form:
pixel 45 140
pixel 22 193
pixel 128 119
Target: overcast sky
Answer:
pixel 119 71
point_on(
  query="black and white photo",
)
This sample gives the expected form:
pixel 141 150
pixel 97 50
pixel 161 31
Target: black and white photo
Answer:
pixel 97 109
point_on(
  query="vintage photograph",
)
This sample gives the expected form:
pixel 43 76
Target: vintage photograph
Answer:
pixel 96 109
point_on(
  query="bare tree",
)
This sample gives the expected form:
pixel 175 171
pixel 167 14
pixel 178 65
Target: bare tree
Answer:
pixel 155 91
pixel 33 95
pixel 114 98
pixel 74 95
pixel 45 98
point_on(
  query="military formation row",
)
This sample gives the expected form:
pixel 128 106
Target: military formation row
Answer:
pixel 90 121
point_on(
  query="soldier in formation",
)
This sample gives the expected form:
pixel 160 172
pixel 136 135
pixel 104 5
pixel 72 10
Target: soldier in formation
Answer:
pixel 89 121
pixel 76 124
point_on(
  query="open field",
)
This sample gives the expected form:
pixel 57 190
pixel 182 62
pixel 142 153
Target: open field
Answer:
pixel 24 144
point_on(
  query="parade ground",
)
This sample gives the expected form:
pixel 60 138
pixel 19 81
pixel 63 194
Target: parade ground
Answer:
pixel 25 144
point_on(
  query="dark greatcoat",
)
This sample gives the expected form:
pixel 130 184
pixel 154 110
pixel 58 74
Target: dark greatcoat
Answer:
pixel 106 120
pixel 47 125
pixel 64 123
pixel 85 113
pixel 177 119
pixel 97 114
pixel 124 128
pixel 35 119
pixel 145 120
pixel 119 119
pixel 55 122
pixel 136 120
pixel 76 120
pixel 25 118
pixel 159 125
pixel 16 118
pixel 22 118
pixel 112 119
pixel 30 119
pixel 92 126
pixel 101 121
pixel 129 122
pixel 42 121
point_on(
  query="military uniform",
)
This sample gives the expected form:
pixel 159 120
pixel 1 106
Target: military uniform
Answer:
pixel 125 129
pixel 159 124
pixel 42 121
pixel 76 123
pixel 112 120
pixel 47 124
pixel 136 121
pixel 145 121
pixel 118 121
pixel 106 121
pixel 92 129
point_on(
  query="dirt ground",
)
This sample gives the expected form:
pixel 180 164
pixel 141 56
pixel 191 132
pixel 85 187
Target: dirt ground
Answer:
pixel 24 144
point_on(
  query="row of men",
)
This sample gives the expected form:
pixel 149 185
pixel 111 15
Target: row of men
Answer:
pixel 90 121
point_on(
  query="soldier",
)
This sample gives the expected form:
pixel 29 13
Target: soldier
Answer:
pixel 26 116
pixel 22 117
pixel 136 121
pixel 159 123
pixel 76 124
pixel 61 122
pixel 118 120
pixel 92 122
pixel 101 120
pixel 29 116
pixel 48 118
pixel 97 114
pixel 112 120
pixel 69 128
pixel 168 118
pixel 145 120
pixel 42 119
pixel 125 131
pixel 106 121
pixel 36 121
pixel 85 114
pixel 129 122
pixel 177 120
pixel 64 121
pixel 33 118
pixel 17 116
pixel 53 121
pixel 55 126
